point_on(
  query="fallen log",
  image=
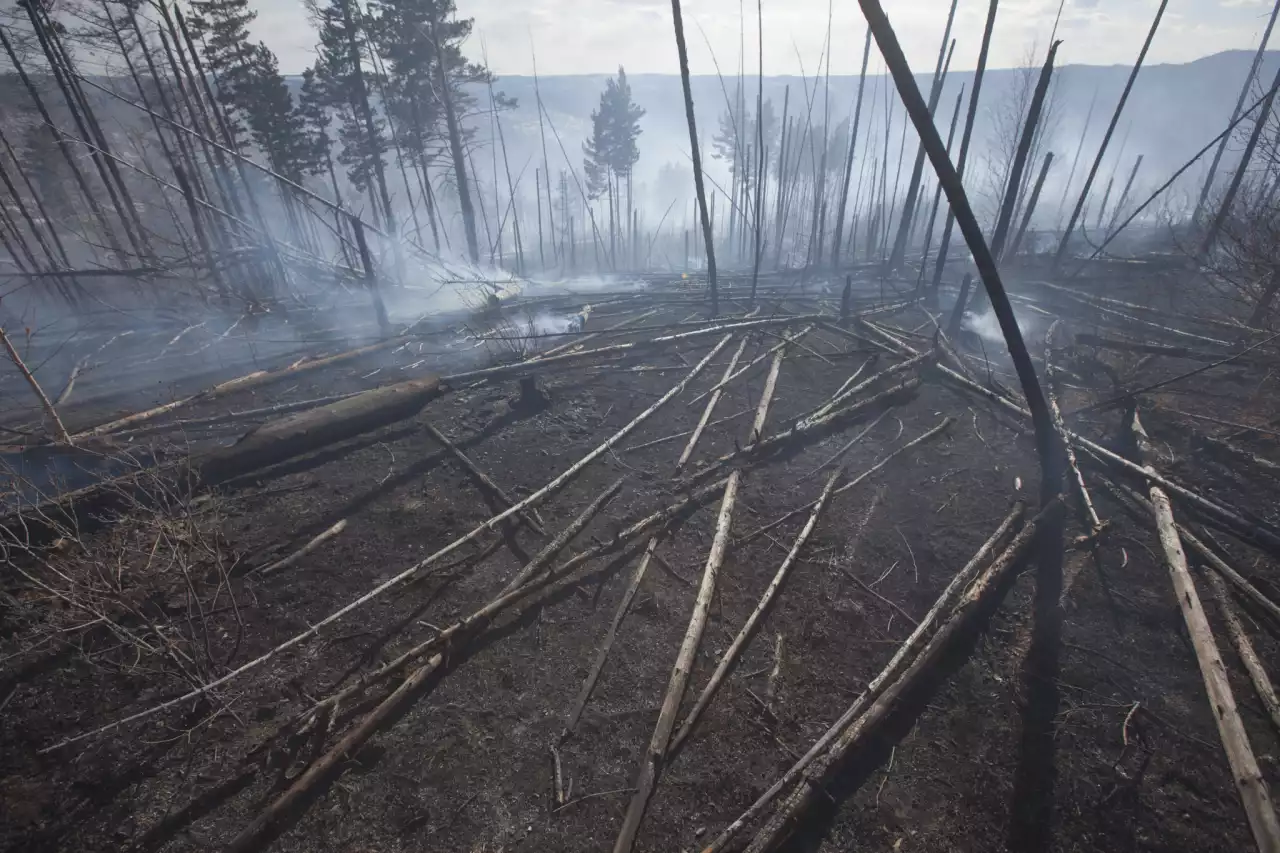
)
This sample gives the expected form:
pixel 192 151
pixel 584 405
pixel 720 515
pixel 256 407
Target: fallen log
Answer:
pixel 730 658
pixel 1244 648
pixel 711 405
pixel 1151 349
pixel 637 577
pixel 284 811
pixel 273 442
pixel 532 500
pixel 315 543
pixel 652 763
pixel 59 431
pixel 904 655
pixel 1207 556
pixel 483 479
pixel 1094 523
pixel 787 516
pixel 808 431
pixel 985 591
pixel 310 430
pixel 1230 452
pixel 1260 535
pixel 1250 784
pixel 251 381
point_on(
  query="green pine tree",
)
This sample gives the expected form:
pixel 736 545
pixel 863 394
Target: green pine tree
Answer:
pixel 221 27
pixel 346 84
pixel 276 125
pixel 251 90
pixel 612 151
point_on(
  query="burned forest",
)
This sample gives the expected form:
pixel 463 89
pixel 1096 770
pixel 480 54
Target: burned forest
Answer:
pixel 396 454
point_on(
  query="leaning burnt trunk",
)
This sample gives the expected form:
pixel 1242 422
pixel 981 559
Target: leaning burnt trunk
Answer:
pixel 1023 152
pixel 455 148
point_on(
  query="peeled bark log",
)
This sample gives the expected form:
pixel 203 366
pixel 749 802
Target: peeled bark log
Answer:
pixel 306 431
pixel 1250 784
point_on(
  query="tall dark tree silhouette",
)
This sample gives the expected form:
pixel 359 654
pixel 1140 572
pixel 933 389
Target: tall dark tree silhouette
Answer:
pixel 345 81
pixel 610 155
pixel 402 37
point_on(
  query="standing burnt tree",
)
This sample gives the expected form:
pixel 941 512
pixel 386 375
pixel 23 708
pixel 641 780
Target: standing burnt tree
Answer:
pixel 610 155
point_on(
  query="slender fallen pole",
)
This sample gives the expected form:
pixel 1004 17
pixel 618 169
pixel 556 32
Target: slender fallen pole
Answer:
pixel 1250 783
pixel 532 500
pixel 655 758
pixel 748 630
pixel 905 653
pixel 285 810
pixel 1244 648
pixel 59 431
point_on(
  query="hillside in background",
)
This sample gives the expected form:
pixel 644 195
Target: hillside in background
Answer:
pixel 1173 111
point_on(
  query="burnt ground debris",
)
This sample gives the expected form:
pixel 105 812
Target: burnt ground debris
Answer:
pixel 1136 762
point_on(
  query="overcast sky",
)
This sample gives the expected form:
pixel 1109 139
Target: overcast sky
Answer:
pixel 596 36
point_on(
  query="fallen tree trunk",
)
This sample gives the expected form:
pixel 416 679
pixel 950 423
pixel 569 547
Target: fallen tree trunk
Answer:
pixel 532 500
pixel 268 444
pixel 1244 648
pixel 906 652
pixel 310 430
pixel 1249 781
pixel 251 381
pixel 730 658
pixel 985 591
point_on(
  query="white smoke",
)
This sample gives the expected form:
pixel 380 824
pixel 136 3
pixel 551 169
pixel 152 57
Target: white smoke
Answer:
pixel 986 326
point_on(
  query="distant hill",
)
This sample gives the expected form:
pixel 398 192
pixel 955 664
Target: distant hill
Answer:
pixel 1174 109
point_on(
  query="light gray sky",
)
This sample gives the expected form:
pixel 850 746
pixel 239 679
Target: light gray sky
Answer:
pixel 595 36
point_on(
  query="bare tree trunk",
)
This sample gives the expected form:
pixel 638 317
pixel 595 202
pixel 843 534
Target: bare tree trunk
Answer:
pixel 853 144
pixel 1260 124
pixel 66 145
pixel 937 193
pixel 455 148
pixel 695 155
pixel 1023 152
pixel 1031 204
pixel 899 252
pixel 1124 195
pixel 1047 443
pixel 945 244
pixel 1235 113
pixel 781 179
pixel 1106 138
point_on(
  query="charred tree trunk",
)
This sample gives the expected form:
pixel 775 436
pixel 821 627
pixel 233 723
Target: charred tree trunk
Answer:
pixel 1106 138
pixel 1235 113
pixel 1237 179
pixel 853 144
pixel 1023 152
pixel 899 252
pixel 455 148
pixel 1031 204
pixel 696 155
pixel 945 243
